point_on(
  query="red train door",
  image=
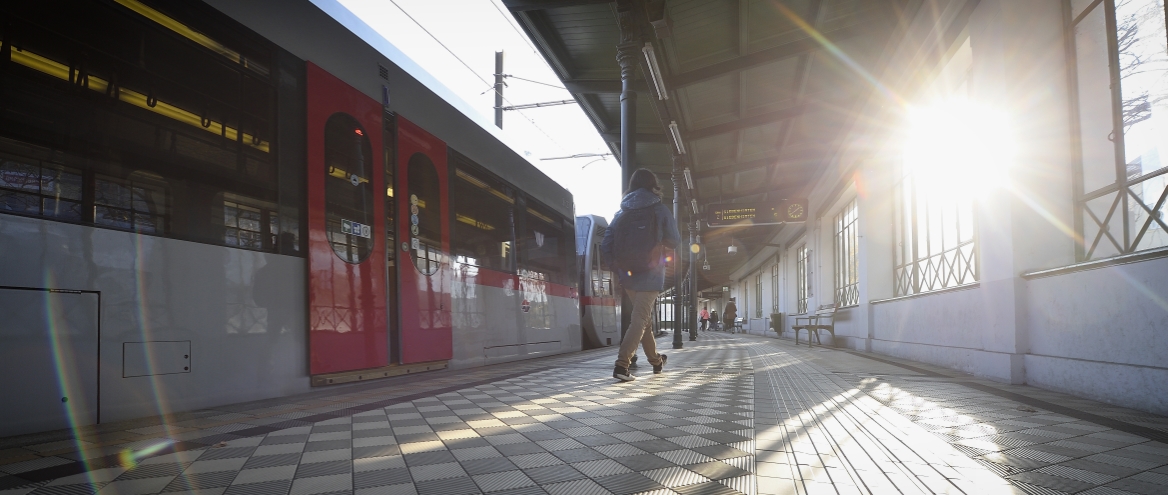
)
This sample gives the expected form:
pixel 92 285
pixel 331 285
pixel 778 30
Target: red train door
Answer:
pixel 346 262
pixel 424 236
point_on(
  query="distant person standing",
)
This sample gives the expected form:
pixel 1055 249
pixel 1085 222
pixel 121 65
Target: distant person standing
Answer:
pixel 704 316
pixel 635 244
pixel 730 315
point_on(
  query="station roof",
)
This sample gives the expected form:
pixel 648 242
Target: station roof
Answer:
pixel 762 91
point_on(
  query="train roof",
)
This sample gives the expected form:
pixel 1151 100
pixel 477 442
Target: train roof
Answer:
pixel 597 220
pixel 330 36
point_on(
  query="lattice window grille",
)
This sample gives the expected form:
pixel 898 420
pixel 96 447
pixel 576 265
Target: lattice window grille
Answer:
pixel 847 268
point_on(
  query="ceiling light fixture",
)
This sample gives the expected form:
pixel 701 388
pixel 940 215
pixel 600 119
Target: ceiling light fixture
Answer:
pixel 676 135
pixel 694 204
pixel 655 71
pixel 688 178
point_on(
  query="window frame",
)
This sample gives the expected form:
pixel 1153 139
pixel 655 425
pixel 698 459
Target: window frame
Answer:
pixel 846 244
pixel 758 295
pixel 529 212
pixel 802 278
pixel 922 217
pixel 775 281
pixel 1126 202
pixel 499 195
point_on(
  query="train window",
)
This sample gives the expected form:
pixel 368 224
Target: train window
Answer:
pixel 481 233
pixel 120 123
pixel 137 204
pixel 30 188
pixel 601 278
pixel 348 191
pixel 247 223
pixel 425 214
pixel 583 227
pixel 545 243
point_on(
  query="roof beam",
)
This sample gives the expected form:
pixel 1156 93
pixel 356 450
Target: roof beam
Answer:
pixel 774 161
pixel 767 187
pixel 767 56
pixel 523 5
pixel 600 86
pixel 642 137
pixel 753 121
pixel 543 34
pixel 788 177
pixel 817 9
pixel 736 167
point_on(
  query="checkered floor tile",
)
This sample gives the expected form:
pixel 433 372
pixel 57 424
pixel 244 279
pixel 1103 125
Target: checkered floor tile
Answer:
pixel 731 414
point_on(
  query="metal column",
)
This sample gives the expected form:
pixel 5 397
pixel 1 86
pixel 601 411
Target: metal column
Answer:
pixel 499 89
pixel 627 55
pixel 692 311
pixel 677 258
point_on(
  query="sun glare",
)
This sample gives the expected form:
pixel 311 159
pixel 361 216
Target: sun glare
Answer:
pixel 959 149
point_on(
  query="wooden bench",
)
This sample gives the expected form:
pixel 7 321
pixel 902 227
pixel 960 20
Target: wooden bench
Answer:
pixel 822 319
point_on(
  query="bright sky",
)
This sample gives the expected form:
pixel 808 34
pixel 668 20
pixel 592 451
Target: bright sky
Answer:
pixel 474 30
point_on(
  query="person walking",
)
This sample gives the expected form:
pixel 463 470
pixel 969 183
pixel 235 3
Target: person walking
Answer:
pixel 704 316
pixel 714 321
pixel 634 246
pixel 730 315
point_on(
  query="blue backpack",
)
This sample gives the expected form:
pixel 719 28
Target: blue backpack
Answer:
pixel 637 240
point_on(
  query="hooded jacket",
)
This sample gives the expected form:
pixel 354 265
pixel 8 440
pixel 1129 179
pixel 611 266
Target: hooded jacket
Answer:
pixel 653 280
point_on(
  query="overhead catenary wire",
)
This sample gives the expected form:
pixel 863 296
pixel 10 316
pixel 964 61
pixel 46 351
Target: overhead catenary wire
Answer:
pixel 476 74
pixel 536 82
pixel 440 43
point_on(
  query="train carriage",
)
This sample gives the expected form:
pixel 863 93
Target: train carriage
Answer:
pixel 600 309
pixel 207 203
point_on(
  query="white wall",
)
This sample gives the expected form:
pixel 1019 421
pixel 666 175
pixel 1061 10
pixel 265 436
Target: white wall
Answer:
pixel 1097 333
pixel 1102 334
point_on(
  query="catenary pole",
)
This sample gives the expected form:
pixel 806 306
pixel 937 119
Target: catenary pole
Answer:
pixel 499 89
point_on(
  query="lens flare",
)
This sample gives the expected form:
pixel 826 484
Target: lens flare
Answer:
pixel 129 458
pixel 69 374
pixel 839 54
pixel 146 331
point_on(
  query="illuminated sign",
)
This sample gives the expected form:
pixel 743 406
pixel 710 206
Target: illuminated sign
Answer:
pixel 751 214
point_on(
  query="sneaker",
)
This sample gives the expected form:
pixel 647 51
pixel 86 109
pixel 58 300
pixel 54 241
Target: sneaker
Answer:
pixel 633 362
pixel 622 374
pixel 657 367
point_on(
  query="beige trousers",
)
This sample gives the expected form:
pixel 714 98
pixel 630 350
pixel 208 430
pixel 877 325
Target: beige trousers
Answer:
pixel 639 330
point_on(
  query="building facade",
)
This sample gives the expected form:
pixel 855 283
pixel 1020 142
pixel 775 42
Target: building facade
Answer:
pixel 998 207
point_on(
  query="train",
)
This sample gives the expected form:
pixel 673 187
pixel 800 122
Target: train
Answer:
pixel 600 308
pixel 205 203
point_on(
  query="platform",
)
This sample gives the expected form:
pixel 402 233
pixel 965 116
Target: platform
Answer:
pixel 730 414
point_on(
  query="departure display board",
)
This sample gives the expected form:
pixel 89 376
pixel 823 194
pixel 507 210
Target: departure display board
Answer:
pixel 751 214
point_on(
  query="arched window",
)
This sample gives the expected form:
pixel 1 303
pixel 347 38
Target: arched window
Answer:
pixel 348 191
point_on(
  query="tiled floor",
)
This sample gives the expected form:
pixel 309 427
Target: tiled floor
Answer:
pixel 731 414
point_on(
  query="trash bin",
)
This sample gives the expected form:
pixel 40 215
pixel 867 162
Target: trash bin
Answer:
pixel 777 324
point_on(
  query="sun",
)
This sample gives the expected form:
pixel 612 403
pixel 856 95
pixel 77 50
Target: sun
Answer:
pixel 958 149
